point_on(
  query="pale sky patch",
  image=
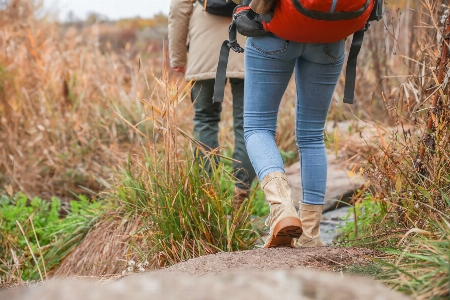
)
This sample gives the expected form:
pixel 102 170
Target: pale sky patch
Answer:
pixel 112 9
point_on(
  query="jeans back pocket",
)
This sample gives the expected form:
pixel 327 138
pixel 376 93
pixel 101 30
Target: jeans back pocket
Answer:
pixel 269 44
pixel 335 51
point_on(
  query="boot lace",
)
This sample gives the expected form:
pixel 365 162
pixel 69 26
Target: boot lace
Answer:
pixel 268 219
pixel 270 216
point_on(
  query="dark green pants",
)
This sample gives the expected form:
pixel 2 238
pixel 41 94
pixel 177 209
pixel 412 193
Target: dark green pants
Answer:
pixel 206 125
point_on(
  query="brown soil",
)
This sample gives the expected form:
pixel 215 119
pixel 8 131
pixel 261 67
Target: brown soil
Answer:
pixel 321 258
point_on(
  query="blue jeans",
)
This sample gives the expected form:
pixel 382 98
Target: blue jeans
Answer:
pixel 269 64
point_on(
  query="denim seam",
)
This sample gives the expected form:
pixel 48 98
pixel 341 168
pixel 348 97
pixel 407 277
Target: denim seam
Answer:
pixel 271 52
pixel 303 49
pixel 301 175
pixel 327 53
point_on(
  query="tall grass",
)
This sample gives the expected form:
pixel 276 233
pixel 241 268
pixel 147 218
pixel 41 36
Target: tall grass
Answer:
pixel 70 108
pixel 177 208
pixel 186 207
pixel 185 214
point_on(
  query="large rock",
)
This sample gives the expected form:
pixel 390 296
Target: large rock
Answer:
pixel 280 284
pixel 331 221
pixel 341 183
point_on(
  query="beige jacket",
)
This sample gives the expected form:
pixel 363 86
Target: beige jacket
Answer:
pixel 204 33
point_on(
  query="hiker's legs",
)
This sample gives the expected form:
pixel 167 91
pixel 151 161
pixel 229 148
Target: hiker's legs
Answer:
pixel 316 74
pixel 206 129
pixel 266 79
pixel 206 115
pixel 244 171
pixel 269 64
pixel 268 72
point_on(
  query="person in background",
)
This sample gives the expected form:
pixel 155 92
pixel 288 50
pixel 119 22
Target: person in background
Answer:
pixel 193 30
pixel 270 62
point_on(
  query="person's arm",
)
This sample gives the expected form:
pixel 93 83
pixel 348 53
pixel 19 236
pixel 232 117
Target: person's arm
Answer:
pixel 180 69
pixel 262 7
pixel 179 16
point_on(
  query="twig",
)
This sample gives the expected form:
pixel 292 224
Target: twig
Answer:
pixel 31 250
pixel 39 246
pixel 335 262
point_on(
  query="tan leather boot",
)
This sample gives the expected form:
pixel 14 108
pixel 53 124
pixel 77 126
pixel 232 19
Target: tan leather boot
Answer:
pixel 239 197
pixel 283 219
pixel 310 216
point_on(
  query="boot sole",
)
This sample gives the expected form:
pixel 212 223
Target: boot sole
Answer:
pixel 287 229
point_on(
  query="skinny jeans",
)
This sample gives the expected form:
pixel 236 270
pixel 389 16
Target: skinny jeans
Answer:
pixel 269 64
pixel 206 126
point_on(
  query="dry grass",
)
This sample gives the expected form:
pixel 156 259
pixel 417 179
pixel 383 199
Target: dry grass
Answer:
pixel 412 168
pixel 105 250
pixel 65 108
pixel 409 173
pixel 59 132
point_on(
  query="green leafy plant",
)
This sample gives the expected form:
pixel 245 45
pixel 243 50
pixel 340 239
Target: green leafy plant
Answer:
pixel 34 237
pixel 363 222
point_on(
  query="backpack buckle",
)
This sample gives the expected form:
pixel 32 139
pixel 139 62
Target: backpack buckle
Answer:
pixel 234 45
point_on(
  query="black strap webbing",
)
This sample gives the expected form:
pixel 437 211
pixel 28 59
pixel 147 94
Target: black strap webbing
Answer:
pixel 221 74
pixel 350 73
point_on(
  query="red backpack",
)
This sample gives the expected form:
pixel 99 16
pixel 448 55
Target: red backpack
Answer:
pixel 318 21
pixel 304 21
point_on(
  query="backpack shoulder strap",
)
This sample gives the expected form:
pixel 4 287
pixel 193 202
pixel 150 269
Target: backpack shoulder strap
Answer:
pixel 350 71
pixel 221 74
pixel 358 37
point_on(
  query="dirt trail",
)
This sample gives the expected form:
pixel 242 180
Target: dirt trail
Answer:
pixel 320 258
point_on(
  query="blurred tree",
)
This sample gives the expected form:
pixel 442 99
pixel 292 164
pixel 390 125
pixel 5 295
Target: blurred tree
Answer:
pixel 93 17
pixel 71 18
pixel 161 19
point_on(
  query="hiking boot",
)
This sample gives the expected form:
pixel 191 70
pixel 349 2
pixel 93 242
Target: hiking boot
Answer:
pixel 283 220
pixel 310 216
pixel 239 197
